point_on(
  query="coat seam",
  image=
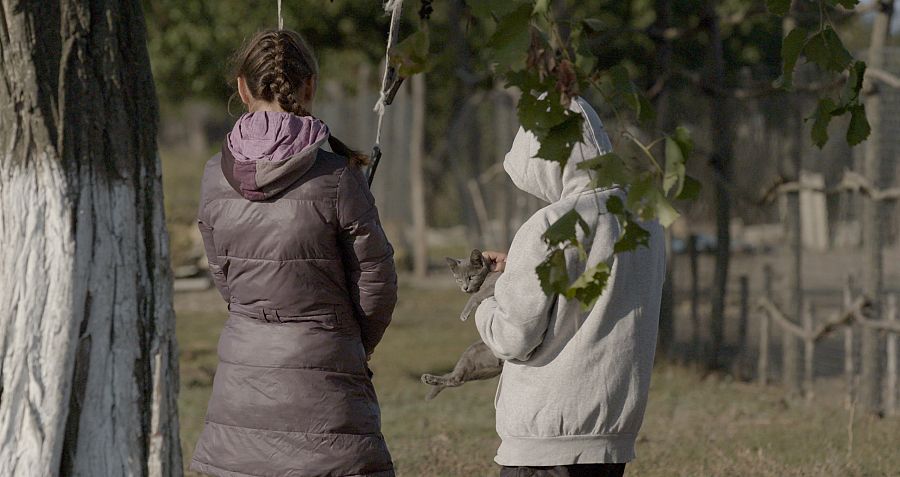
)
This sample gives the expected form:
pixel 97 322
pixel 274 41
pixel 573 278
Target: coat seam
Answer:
pixel 325 434
pixel 310 368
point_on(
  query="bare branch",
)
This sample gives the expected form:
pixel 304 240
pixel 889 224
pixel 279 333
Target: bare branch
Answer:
pixel 851 182
pixel 884 77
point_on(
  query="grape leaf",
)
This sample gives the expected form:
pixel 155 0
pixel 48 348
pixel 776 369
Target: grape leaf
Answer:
pixel 553 273
pixel 678 148
pixel 410 56
pixel 558 142
pixel 588 287
pixel 826 50
pixel 859 129
pixel 821 119
pixel 691 189
pixel 610 170
pixel 563 230
pixel 791 47
pixel 635 236
pixel 509 43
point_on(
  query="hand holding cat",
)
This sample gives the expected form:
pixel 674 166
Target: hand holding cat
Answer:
pixel 497 259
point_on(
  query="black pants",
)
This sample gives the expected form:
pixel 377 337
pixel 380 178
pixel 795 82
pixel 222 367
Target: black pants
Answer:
pixel 574 470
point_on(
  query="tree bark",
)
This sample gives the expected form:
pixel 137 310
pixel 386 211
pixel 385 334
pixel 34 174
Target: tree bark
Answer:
pixel 872 216
pixel 89 360
pixel 721 160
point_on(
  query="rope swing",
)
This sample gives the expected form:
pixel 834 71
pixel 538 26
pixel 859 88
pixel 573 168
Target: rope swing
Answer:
pixel 390 82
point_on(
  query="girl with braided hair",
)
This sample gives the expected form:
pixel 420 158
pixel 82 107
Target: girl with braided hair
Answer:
pixel 297 251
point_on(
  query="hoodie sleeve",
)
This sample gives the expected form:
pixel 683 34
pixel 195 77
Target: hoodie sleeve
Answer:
pixel 513 322
pixel 368 257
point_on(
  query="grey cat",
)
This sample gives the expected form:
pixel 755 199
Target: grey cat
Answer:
pixel 477 361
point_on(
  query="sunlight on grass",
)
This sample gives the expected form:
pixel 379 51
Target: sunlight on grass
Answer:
pixel 694 426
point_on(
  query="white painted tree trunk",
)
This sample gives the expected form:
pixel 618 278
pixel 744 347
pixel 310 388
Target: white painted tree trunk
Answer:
pixel 88 361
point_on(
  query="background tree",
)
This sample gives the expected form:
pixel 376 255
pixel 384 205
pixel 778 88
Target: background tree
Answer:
pixel 89 371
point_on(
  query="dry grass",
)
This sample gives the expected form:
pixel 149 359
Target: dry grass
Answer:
pixel 695 425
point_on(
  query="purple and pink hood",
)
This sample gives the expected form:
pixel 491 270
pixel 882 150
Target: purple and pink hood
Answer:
pixel 267 151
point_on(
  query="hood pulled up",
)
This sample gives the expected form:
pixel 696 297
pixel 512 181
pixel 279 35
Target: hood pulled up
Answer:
pixel 543 179
pixel 267 151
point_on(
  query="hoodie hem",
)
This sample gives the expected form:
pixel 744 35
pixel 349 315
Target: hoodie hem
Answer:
pixel 566 450
pixel 209 469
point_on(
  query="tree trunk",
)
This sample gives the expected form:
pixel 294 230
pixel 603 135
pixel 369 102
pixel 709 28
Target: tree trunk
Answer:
pixel 872 220
pixel 721 125
pixel 417 177
pixel 662 66
pixel 89 360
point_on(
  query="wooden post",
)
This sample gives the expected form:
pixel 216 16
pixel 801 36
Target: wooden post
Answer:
pixel 743 345
pixel 763 363
pixel 890 382
pixel 849 367
pixel 808 349
pixel 696 352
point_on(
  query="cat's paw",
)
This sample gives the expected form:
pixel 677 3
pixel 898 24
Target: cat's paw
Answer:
pixel 430 379
pixel 464 316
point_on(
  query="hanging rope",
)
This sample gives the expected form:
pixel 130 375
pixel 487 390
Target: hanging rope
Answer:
pixel 280 18
pixel 389 82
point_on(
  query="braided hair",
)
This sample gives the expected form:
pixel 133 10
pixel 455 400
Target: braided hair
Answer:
pixel 276 65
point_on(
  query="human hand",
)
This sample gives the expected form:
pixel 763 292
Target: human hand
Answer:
pixel 496 259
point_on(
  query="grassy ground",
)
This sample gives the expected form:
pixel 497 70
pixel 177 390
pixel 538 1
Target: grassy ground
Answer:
pixel 694 426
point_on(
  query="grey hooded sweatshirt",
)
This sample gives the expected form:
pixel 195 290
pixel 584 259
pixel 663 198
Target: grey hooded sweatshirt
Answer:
pixel 575 384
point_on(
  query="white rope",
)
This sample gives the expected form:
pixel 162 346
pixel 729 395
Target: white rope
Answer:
pixel 394 7
pixel 280 18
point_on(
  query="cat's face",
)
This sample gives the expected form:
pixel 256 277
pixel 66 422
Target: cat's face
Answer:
pixel 469 274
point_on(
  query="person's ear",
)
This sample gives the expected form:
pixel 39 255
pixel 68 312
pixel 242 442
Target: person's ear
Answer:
pixel 309 92
pixel 244 92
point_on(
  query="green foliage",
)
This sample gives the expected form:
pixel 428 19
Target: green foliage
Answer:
pixel 411 55
pixel 790 51
pixel 778 7
pixel 825 49
pixel 509 43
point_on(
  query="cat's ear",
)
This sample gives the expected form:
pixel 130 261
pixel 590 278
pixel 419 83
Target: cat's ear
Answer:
pixel 477 259
pixel 454 264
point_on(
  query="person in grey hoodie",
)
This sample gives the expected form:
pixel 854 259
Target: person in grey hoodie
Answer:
pixel 574 387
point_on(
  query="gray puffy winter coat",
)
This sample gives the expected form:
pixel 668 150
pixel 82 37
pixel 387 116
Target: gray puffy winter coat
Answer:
pixel 297 251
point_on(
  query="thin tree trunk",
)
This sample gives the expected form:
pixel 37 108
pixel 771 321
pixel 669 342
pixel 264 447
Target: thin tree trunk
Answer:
pixel 417 177
pixel 721 125
pixel 663 119
pixel 89 361
pixel 872 223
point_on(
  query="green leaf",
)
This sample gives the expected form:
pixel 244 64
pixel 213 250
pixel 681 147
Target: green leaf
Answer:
pixel 559 141
pixel 541 6
pixel 563 231
pixel 410 56
pixel 649 202
pixel 778 7
pixel 822 118
pixel 826 50
pixel 791 47
pixel 635 236
pixel 859 129
pixel 590 285
pixel 553 273
pixel 854 84
pixel 614 205
pixel 509 43
pixel 610 170
pixel 540 115
pixel 678 148
pixel 691 189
